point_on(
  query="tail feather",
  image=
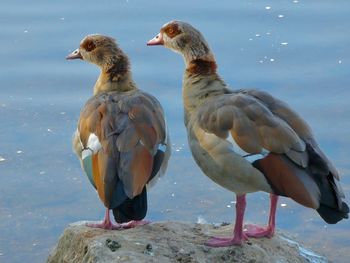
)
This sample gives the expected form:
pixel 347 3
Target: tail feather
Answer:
pixel 332 208
pixel 331 215
pixel 131 209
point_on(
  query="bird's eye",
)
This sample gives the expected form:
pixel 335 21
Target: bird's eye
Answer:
pixel 89 45
pixel 172 30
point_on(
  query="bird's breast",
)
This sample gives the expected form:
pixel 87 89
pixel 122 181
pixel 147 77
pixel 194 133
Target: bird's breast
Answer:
pixel 224 162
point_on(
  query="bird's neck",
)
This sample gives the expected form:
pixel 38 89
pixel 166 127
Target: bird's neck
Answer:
pixel 201 83
pixel 197 53
pixel 115 76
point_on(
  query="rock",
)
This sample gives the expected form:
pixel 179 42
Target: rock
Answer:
pixel 168 242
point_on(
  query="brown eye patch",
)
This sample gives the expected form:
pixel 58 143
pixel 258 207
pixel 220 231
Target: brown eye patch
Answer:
pixel 88 45
pixel 172 30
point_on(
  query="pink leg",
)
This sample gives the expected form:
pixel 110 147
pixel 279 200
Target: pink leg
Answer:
pixel 105 224
pixel 269 231
pixel 238 236
pixel 134 223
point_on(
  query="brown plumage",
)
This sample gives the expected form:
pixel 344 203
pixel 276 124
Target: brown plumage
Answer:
pixel 200 66
pixel 121 138
pixel 247 140
pixel 172 30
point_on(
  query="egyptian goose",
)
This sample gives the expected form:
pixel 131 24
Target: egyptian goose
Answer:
pixel 121 139
pixel 248 141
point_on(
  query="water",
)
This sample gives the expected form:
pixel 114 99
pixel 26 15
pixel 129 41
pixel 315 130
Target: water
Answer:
pixel 296 50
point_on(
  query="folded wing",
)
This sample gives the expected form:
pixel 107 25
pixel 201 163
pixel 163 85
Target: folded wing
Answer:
pixel 130 130
pixel 295 166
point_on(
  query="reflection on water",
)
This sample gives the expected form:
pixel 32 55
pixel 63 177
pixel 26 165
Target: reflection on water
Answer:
pixel 297 50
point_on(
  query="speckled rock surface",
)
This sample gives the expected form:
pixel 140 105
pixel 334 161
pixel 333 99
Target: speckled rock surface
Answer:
pixel 166 242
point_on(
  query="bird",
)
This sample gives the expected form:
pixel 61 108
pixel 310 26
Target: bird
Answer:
pixel 121 139
pixel 247 140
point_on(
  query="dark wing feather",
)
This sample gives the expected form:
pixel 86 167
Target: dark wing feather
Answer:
pixel 283 111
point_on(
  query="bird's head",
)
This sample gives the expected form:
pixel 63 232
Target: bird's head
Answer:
pixel 183 38
pixel 100 50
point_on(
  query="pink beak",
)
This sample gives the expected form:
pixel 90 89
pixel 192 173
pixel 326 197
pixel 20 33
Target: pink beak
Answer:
pixel 157 40
pixel 75 55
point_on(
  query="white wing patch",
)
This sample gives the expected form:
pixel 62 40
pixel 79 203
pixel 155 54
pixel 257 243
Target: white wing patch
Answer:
pixel 162 147
pixel 92 147
pixel 249 157
pixel 235 146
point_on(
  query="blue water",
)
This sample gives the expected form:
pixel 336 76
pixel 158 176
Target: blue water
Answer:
pixel 296 50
